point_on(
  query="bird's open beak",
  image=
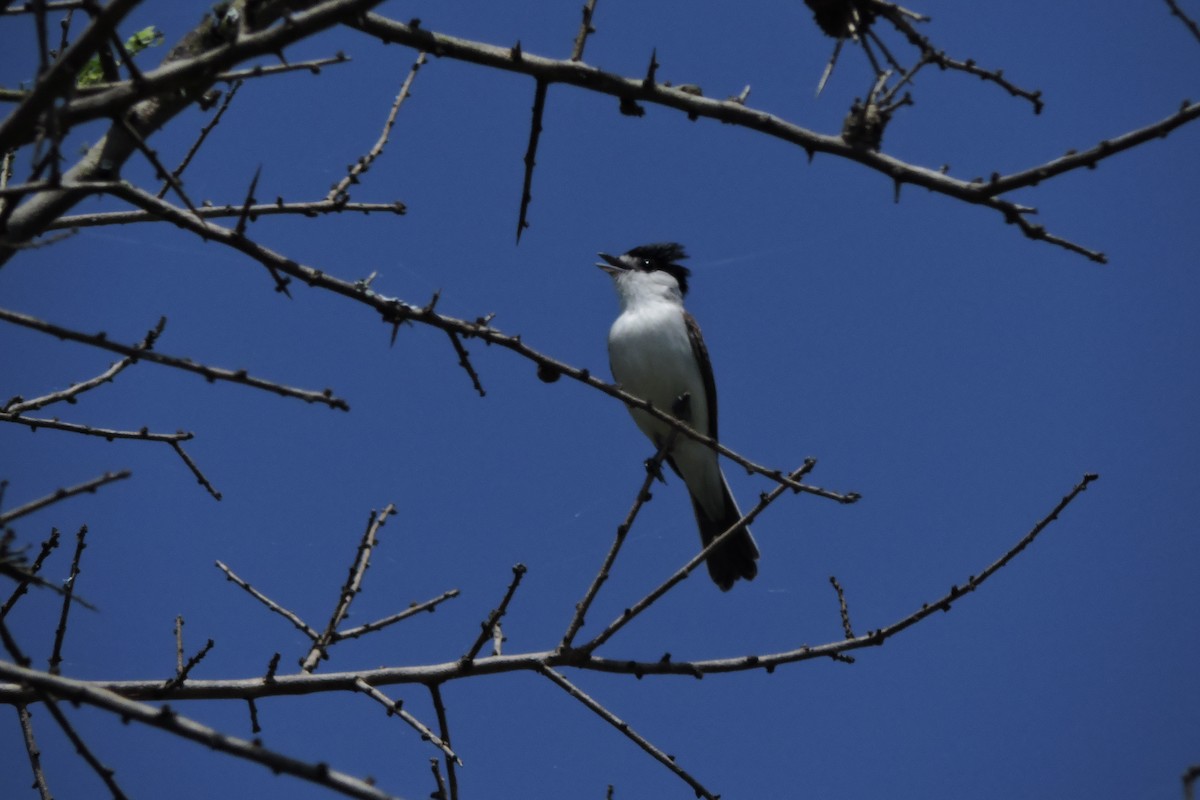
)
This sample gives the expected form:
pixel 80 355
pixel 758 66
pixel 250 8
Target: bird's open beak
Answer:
pixel 613 265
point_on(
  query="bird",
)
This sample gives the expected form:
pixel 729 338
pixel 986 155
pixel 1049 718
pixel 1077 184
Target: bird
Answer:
pixel 656 353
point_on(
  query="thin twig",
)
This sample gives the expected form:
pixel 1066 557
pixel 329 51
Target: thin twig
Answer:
pixel 35 754
pixel 200 477
pixel 87 487
pixel 585 30
pixel 843 609
pixel 137 352
pixel 160 170
pixel 88 430
pixel 300 624
pixel 350 588
pixel 174 683
pixel 1188 22
pixel 487 628
pixel 68 589
pixel 653 471
pixel 439 707
pixel 105 773
pixel 339 190
pixel 535 133
pixel 624 727
pixel 435 765
pixel 278 208
pixel 17 406
pixel 637 608
pixel 464 361
pixel 200 139
pixel 379 624
pixel 262 71
pixel 30 575
pixel 178 644
pixel 397 707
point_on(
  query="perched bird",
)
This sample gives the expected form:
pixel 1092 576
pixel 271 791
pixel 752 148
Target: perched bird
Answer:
pixel 657 353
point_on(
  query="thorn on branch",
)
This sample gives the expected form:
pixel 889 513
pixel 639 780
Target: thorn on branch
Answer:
pixel 535 132
pixel 464 361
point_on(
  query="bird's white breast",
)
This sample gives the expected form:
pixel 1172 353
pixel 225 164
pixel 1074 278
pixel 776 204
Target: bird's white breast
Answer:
pixel 651 357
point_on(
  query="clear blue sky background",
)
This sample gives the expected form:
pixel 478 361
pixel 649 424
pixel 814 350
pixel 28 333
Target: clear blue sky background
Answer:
pixel 959 376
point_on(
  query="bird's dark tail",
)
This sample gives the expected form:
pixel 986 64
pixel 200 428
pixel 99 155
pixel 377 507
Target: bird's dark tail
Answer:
pixel 736 556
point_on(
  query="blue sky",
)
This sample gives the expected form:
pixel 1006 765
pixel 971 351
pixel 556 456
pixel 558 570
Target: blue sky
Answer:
pixel 959 376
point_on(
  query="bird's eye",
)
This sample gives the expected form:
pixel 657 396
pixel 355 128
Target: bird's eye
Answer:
pixel 646 263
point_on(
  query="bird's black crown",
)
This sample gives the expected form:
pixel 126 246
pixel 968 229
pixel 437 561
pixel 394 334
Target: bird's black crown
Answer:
pixel 662 256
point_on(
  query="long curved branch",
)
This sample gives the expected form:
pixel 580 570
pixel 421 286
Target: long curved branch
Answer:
pixel 25 691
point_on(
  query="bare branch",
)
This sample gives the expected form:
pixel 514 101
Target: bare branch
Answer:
pixel 397 707
pixel 641 605
pixel 137 352
pixel 87 487
pixel 350 589
pixel 339 191
pixel 847 629
pixel 69 394
pixel 439 708
pixel 1187 21
pixel 105 773
pixel 631 90
pixel 60 77
pixel 29 575
pixel 641 741
pixel 35 754
pixel 185 669
pixel 165 719
pixel 68 589
pixel 653 471
pixel 464 361
pixel 300 624
pixel 379 624
pixel 495 616
pixel 278 208
pixel 998 184
pixel 585 30
pixel 200 139
pixel 535 133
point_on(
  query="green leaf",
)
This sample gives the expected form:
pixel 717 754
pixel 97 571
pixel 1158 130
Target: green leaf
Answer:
pixel 92 73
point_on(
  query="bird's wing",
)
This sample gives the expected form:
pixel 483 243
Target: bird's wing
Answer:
pixel 706 372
